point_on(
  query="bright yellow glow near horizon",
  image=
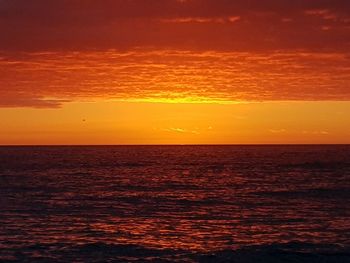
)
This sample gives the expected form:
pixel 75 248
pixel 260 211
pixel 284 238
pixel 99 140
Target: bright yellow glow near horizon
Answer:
pixel 82 123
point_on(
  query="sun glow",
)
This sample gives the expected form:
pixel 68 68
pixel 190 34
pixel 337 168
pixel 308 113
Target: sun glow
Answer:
pixel 176 123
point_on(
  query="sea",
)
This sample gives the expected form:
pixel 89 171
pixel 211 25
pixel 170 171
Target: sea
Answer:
pixel 234 203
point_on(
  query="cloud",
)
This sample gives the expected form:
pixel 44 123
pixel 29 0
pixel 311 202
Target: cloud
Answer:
pixel 18 100
pixel 181 130
pixel 277 130
pixel 50 78
pixel 316 132
pixel 221 20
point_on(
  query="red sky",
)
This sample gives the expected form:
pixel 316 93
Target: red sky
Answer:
pixel 57 52
pixel 245 25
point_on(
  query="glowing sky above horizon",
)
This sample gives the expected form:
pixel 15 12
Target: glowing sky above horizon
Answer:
pixel 174 71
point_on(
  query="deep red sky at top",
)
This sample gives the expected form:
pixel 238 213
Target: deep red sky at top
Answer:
pixel 225 25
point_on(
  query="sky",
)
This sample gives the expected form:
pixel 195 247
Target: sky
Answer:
pixel 174 71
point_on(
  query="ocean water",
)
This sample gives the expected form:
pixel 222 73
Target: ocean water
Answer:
pixel 175 203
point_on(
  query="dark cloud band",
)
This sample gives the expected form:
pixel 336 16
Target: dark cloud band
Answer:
pixel 119 24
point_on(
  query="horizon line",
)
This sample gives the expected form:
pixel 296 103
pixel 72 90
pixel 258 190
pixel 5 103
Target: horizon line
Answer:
pixel 204 144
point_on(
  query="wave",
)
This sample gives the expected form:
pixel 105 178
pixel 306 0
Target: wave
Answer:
pixel 104 252
pixel 322 193
pixel 318 165
pixel 293 252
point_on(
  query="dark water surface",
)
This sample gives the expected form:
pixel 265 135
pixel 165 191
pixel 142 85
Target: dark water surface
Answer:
pixel 175 203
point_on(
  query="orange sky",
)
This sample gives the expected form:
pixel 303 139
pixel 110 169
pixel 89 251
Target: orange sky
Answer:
pixel 174 72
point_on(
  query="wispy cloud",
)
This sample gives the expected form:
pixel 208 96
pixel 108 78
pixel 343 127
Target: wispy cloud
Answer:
pixel 30 100
pixel 323 13
pixel 181 130
pixel 316 132
pixel 230 19
pixel 277 130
